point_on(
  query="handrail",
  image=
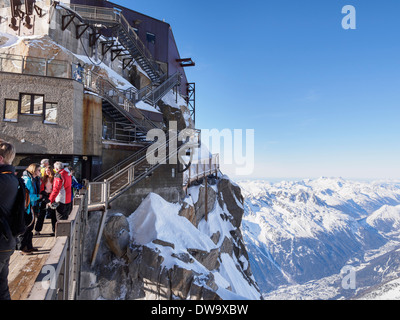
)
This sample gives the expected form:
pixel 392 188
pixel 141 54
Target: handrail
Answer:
pixel 108 195
pixel 141 47
pixel 112 15
pixel 59 278
pixel 117 98
pixel 35 66
pixel 202 168
pixel 160 91
pixel 162 148
pixel 121 165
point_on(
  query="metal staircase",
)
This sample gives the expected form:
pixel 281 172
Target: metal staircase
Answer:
pixel 152 95
pixel 113 18
pixel 133 158
pixel 131 43
pixel 128 38
pixel 125 175
pixel 118 107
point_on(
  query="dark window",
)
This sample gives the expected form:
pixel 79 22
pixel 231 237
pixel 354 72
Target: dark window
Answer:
pixel 10 110
pixel 136 30
pixel 31 104
pixel 151 38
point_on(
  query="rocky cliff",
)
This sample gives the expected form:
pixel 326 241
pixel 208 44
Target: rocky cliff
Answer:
pixel 174 250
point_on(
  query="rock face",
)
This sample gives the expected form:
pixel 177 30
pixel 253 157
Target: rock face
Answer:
pixel 170 251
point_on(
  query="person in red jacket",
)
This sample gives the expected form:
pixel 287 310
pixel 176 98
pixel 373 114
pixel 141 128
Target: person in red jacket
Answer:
pixel 61 193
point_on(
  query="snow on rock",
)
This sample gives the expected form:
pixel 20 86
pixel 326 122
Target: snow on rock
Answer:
pixel 145 106
pixel 158 219
pixel 387 291
pixel 177 103
pixel 173 100
pixel 39 46
pixel 7 40
pixel 174 252
pixel 385 219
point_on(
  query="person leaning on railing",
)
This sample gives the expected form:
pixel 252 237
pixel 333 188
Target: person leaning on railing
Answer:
pixel 60 197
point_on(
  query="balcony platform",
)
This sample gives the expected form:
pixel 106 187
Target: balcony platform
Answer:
pixel 24 269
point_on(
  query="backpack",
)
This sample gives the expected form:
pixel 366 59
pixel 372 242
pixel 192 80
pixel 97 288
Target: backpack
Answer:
pixel 16 225
pixel 21 205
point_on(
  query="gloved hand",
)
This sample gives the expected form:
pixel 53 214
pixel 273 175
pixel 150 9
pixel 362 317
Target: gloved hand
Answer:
pixel 53 205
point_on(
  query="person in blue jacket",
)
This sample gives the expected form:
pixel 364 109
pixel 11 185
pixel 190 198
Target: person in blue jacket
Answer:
pixel 29 177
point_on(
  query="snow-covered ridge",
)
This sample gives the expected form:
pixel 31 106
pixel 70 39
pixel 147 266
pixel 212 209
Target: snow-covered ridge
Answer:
pixel 301 231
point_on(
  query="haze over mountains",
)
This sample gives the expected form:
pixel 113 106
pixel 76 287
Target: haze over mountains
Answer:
pixel 300 235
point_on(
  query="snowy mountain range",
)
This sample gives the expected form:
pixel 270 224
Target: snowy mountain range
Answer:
pixel 301 235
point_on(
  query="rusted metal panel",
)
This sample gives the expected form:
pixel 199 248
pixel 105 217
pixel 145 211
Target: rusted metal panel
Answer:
pixel 91 125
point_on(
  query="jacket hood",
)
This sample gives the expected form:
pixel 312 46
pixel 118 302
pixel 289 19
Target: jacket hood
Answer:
pixel 27 175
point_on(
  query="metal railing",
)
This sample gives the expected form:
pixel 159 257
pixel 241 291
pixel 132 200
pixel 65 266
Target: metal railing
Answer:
pixel 35 66
pixel 114 16
pixel 120 132
pixel 59 278
pixel 117 98
pixel 106 191
pixel 153 95
pixel 131 159
pixel 201 169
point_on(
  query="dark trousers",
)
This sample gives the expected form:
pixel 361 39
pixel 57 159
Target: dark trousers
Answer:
pixel 4 264
pixel 42 216
pixel 63 210
pixel 25 240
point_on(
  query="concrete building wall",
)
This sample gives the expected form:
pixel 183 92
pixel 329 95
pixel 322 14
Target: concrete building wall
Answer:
pixel 78 127
pixel 88 126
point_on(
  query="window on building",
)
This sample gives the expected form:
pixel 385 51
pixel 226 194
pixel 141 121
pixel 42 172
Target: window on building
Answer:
pixel 50 114
pixel 31 104
pixel 136 30
pixel 11 110
pixel 151 37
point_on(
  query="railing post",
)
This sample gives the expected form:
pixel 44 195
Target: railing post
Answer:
pixel 67 269
pixel 89 193
pixel 46 63
pixel 23 65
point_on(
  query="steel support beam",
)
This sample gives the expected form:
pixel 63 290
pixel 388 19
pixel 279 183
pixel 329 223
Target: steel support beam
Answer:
pixel 66 21
pixel 186 62
pixel 79 33
pixel 191 99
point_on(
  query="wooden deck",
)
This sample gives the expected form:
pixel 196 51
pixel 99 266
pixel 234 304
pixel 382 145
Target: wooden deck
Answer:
pixel 24 269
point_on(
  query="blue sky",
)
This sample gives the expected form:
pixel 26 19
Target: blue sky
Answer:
pixel 323 101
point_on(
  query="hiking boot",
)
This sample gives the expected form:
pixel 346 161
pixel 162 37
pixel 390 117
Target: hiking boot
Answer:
pixel 26 251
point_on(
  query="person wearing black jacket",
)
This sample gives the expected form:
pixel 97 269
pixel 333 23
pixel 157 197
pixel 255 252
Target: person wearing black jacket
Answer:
pixel 8 191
